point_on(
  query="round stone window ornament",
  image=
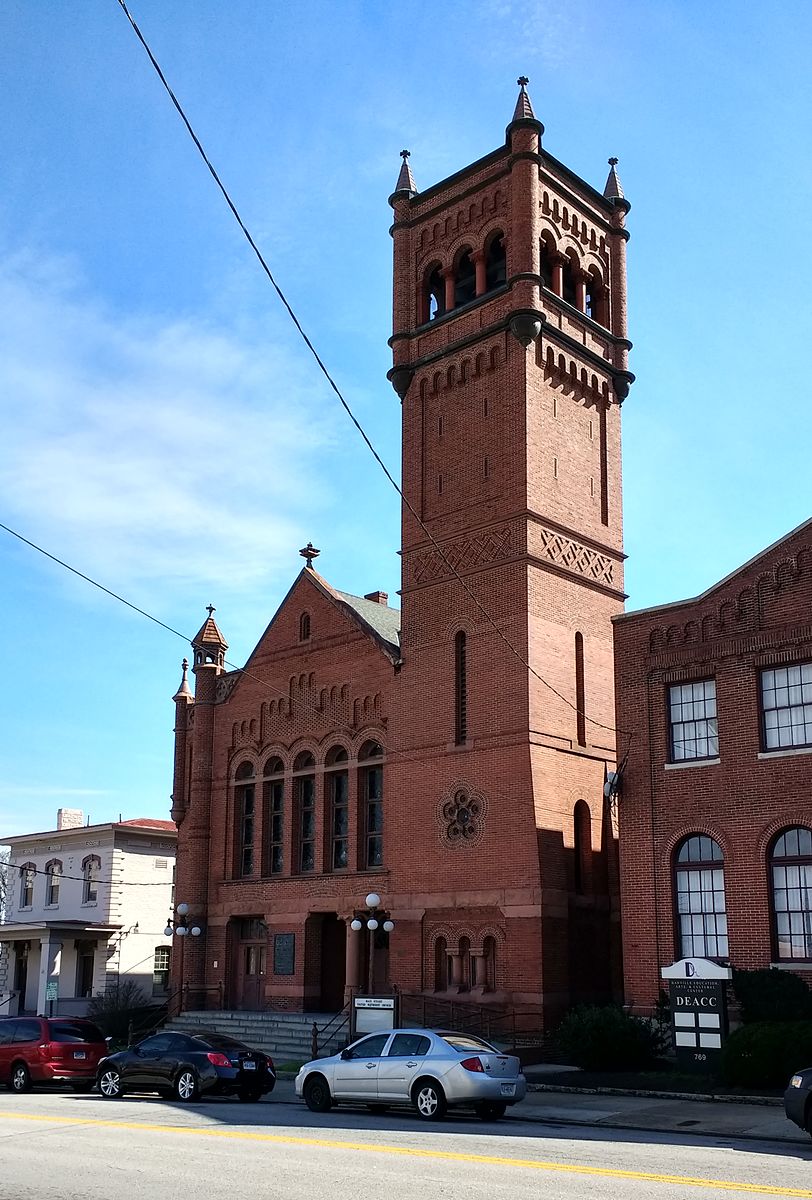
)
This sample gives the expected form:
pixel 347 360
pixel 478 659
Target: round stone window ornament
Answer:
pixel 462 817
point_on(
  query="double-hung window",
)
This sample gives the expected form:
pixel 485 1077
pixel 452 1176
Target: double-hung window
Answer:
pixel 692 725
pixel 786 705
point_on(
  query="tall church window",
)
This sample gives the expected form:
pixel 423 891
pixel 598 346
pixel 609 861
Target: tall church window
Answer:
pixel 338 799
pixel 582 847
pixel 460 688
pixel 464 280
pixel 495 262
pixel 53 877
pixel 433 298
pixel 791 870
pixel 371 780
pixel 304 627
pixel 304 785
pixel 700 887
pixel 245 812
pixel 91 870
pixel 274 815
pixel 27 875
pixel 580 693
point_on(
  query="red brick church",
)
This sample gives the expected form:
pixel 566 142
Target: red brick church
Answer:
pixel 450 756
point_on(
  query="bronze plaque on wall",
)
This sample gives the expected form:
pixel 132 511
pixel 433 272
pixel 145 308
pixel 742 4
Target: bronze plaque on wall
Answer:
pixel 284 953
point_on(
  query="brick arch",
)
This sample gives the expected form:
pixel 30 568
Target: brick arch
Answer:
pixel 493 931
pixel 306 743
pixel 697 829
pixel 240 756
pixel 371 733
pixel 771 831
pixel 275 751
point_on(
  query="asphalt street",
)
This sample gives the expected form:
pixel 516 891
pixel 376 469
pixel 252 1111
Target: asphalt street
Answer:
pixel 64 1146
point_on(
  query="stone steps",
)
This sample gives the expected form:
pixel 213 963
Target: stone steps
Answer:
pixel 286 1037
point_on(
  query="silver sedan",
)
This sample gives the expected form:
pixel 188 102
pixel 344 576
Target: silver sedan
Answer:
pixel 428 1069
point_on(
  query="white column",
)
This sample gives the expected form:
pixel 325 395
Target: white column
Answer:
pixel 49 955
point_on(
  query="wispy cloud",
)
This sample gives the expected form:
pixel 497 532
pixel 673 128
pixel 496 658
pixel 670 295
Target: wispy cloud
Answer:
pixel 151 451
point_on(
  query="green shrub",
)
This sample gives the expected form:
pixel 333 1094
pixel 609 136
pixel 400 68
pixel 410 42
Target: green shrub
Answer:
pixel 607 1039
pixel 771 995
pixel 767 1053
pixel 122 1010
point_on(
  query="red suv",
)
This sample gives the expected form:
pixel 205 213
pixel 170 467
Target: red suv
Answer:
pixel 49 1050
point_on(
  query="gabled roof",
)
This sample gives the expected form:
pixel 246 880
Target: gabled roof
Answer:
pixel 382 620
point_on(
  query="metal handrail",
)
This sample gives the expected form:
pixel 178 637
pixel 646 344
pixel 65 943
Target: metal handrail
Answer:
pixel 331 1027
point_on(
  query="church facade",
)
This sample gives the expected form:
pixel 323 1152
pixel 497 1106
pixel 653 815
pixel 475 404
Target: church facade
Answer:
pixel 451 756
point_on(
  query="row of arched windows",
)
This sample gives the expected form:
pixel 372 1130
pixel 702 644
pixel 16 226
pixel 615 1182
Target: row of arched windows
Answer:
pixel 564 275
pixel 701 911
pixel 309 818
pixel 91 870
pixel 462 970
pixel 473 273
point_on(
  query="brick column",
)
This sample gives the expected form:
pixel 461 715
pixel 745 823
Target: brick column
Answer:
pixel 478 259
pixel 448 276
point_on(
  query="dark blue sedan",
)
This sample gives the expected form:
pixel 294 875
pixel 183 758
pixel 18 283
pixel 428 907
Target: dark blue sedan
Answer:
pixel 798 1099
pixel 187 1066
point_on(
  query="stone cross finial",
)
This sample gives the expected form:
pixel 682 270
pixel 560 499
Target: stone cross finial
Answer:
pixel 404 154
pixel 210 609
pixel 308 553
pixel 522 81
pixel 613 162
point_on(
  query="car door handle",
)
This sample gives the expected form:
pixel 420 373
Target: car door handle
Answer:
pixel 370 1066
pixel 414 1064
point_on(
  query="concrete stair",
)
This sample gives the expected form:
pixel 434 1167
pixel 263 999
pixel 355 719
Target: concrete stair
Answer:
pixel 286 1037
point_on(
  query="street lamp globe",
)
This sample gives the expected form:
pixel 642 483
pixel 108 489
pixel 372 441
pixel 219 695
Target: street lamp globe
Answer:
pixel 388 926
pixel 372 924
pixel 183 910
pixel 181 931
pixel 372 900
pixel 196 931
pixel 168 931
pixel 356 925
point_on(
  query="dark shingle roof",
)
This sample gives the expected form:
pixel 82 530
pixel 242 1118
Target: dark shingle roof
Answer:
pixel 382 620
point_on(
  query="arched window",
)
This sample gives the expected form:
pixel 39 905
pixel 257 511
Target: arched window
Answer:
pixel 700 888
pixel 580 695
pixel 464 280
pixel 244 818
pixel 495 262
pixel 28 874
pixel 465 964
pixel 582 847
pixel 569 290
pixel 791 870
pixel 489 954
pixel 546 251
pixel 304 791
pixel 433 298
pixel 441 965
pixel 596 305
pixel 304 627
pixel 53 876
pixel 337 780
pixel 91 870
pixel 274 815
pixel 460 689
pixel 371 794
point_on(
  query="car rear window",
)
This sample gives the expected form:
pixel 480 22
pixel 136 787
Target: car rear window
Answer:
pixel 466 1043
pixel 74 1031
pixel 219 1041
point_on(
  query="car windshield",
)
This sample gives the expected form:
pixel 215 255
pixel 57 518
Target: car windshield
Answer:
pixel 219 1041
pixel 74 1031
pixel 465 1043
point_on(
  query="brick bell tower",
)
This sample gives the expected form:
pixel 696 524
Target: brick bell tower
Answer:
pixel 511 361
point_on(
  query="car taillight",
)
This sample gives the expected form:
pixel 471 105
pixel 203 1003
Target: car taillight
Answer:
pixel 217 1059
pixel 271 1067
pixel 472 1064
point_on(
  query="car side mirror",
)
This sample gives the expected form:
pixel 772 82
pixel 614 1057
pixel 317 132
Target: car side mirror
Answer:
pixel 108 1041
pixel 346 1053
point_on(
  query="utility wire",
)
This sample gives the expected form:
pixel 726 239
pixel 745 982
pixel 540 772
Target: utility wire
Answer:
pixel 334 386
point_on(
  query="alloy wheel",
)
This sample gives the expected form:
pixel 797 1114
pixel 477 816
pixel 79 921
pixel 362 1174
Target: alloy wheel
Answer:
pixel 20 1078
pixel 429 1101
pixel 110 1084
pixel 186 1086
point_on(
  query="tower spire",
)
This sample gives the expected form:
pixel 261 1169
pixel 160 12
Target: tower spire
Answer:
pixel 523 114
pixel 614 188
pixel 184 692
pixel 405 181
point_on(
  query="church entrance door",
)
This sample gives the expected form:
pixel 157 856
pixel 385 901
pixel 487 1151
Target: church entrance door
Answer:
pixel 251 952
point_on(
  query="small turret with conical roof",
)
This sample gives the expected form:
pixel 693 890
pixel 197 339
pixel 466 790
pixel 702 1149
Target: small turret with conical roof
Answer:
pixel 209 645
pixel 614 189
pixel 405 183
pixel 184 692
pixel 523 115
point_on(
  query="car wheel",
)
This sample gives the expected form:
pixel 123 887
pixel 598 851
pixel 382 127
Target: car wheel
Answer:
pixel 317 1094
pixel 110 1084
pixel 249 1095
pixel 429 1100
pixel 185 1088
pixel 20 1079
pixel 490 1110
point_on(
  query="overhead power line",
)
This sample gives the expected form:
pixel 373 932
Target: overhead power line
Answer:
pixel 336 389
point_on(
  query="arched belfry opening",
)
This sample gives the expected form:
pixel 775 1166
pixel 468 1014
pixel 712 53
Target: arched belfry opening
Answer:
pixel 495 262
pixel 464 280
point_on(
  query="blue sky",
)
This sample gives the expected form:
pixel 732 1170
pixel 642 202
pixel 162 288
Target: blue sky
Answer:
pixel 163 427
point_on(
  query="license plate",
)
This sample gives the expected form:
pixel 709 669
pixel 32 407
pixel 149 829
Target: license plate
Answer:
pixel 508 1089
pixel 249 1066
pixel 79 1054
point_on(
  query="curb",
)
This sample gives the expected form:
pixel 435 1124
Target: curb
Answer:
pixel 646 1094
pixel 705 1132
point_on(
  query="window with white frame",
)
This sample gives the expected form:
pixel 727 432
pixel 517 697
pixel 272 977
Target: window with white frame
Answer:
pixel 786 705
pixel 91 870
pixel 700 886
pixel 692 725
pixel 27 875
pixel 160 970
pixel 53 876
pixel 791 867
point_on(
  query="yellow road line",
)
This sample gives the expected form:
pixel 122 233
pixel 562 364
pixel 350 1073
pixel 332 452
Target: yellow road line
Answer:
pixel 757 1189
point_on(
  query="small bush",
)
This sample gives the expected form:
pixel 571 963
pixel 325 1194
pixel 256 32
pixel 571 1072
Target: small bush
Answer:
pixel 771 995
pixel 767 1053
pixel 123 1008
pixel 607 1039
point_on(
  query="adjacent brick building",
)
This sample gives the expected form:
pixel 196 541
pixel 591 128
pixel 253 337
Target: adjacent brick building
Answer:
pixel 452 756
pixel 716 794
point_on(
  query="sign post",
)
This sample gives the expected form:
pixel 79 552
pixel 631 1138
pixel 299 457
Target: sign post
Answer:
pixel 51 994
pixel 699 1023
pixel 371 1013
